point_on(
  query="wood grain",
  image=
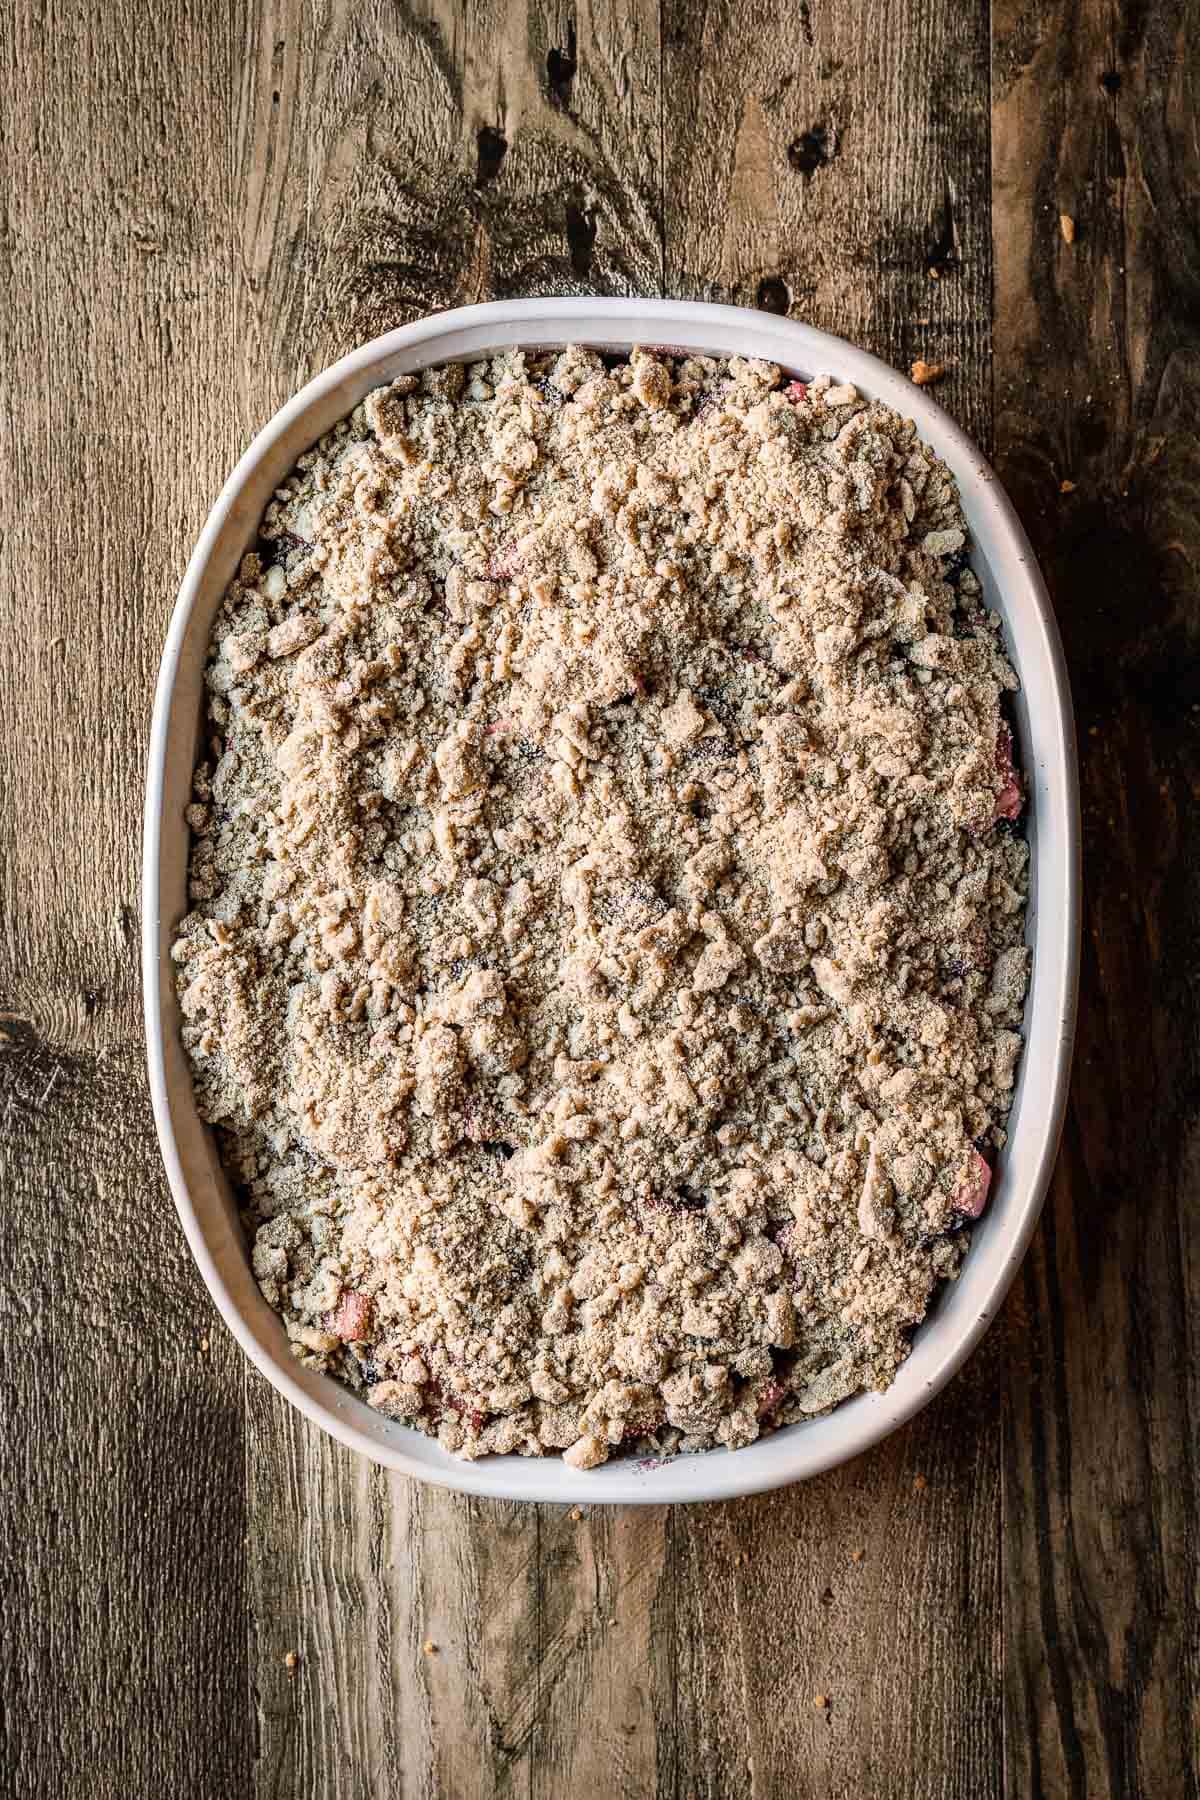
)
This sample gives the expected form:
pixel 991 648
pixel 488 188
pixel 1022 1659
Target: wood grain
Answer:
pixel 831 159
pixel 514 152
pixel 1098 359
pixel 217 202
pixel 841 171
pixel 122 1451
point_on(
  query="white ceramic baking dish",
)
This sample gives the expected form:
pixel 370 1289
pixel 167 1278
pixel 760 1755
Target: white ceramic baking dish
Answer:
pixel 1004 562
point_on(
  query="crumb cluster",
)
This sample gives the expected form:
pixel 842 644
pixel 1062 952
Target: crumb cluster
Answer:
pixel 605 965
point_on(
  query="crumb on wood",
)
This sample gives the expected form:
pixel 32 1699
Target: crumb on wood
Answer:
pixel 1066 487
pixel 1066 225
pixel 576 1513
pixel 204 1346
pixel 856 1556
pixel 820 1701
pixel 429 1647
pixel 291 1661
pixel 919 1484
pixel 924 373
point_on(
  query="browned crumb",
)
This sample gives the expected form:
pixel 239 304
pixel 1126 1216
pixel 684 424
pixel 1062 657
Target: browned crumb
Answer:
pixel 602 964
pixel 204 1346
pixel 429 1647
pixel 576 1513
pixel 1066 487
pixel 820 1701
pixel 919 1484
pixel 291 1661
pixel 1066 225
pixel 857 1555
pixel 923 373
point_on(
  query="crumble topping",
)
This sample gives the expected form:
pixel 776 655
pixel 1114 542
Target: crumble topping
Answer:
pixel 605 970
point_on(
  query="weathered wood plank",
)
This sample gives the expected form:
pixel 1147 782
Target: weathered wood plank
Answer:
pixel 395 163
pixel 605 1650
pixel 400 161
pixel 121 1459
pixel 874 1589
pixel 833 162
pixel 1097 366
pixel 831 159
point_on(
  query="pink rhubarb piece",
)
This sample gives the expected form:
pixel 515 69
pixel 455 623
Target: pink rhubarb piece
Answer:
pixel 1010 799
pixel 796 391
pixel 352 1319
pixel 769 1399
pixel 972 1197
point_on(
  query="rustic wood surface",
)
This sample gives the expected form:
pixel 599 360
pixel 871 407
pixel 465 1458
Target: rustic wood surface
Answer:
pixel 205 201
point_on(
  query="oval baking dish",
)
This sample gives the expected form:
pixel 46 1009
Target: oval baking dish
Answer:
pixel 1004 562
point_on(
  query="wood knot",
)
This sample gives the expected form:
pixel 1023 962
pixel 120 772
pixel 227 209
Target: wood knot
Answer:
pixel 561 66
pixel 813 149
pixel 774 295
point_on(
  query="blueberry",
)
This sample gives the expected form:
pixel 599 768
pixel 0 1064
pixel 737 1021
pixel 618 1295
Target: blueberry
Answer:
pixel 498 1148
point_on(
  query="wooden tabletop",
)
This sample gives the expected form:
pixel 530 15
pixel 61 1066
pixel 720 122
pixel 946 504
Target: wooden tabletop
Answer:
pixel 203 203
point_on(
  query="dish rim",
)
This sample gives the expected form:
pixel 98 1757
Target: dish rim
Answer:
pixel 794 1452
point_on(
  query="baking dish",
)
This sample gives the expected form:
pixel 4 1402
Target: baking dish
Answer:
pixel 1004 562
